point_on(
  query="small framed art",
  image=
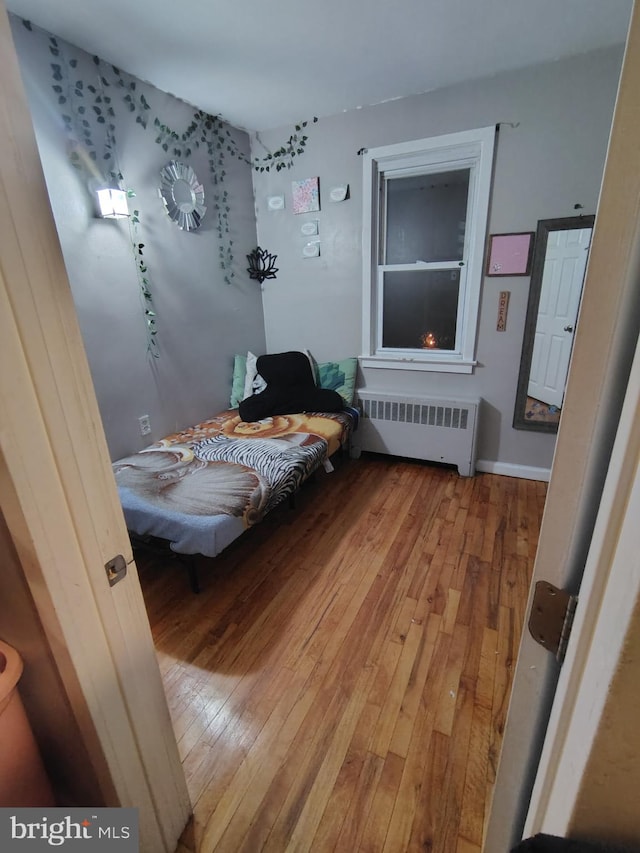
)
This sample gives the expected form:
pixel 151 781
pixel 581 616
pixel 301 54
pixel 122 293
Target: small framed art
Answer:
pixel 306 195
pixel 510 254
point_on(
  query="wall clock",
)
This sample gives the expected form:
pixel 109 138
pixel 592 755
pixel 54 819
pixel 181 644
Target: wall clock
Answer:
pixel 182 195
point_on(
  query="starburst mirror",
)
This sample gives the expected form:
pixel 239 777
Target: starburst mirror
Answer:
pixel 182 195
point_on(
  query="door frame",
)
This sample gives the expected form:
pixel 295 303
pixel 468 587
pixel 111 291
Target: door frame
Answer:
pixel 596 389
pixel 609 596
pixel 60 502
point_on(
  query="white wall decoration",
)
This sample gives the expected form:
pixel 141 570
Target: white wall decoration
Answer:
pixel 339 193
pixel 182 195
pixel 275 202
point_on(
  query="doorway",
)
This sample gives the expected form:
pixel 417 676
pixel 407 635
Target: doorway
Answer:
pixel 591 425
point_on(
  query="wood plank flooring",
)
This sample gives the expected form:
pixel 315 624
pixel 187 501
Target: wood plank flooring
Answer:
pixel 342 680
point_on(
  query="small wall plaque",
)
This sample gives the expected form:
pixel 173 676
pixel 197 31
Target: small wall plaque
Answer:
pixel 503 308
pixel 339 192
pixel 275 202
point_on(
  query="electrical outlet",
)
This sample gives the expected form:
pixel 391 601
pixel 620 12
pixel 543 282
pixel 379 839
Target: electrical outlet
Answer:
pixel 145 424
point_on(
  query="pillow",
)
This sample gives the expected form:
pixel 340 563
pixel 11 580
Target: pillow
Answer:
pixel 340 376
pixel 250 375
pixel 312 363
pixel 258 385
pixel 246 381
pixel 237 384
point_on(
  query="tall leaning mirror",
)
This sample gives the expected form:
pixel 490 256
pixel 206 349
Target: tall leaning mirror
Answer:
pixel 557 276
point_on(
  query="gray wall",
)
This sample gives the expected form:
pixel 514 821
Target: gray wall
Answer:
pixel 201 321
pixel 550 162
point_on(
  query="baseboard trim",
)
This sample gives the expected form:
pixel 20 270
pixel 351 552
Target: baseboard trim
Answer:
pixel 506 469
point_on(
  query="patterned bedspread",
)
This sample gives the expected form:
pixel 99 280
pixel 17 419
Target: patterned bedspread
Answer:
pixel 201 488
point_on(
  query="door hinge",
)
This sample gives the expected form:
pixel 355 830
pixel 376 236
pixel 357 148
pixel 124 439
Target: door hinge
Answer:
pixel 551 617
pixel 116 569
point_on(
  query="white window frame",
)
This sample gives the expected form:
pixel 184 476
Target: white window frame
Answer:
pixel 471 149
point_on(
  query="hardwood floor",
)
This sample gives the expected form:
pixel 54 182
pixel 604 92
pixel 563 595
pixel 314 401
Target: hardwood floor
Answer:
pixel 341 682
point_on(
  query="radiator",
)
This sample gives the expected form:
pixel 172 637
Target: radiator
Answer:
pixel 436 430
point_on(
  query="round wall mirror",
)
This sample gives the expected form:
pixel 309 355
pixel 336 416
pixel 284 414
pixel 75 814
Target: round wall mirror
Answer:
pixel 182 195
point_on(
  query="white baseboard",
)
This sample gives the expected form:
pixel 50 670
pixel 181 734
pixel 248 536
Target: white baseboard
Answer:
pixel 526 472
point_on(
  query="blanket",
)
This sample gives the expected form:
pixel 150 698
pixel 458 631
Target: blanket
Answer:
pixel 202 487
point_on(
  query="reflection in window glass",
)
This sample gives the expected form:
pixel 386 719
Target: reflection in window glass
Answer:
pixel 426 217
pixel 420 309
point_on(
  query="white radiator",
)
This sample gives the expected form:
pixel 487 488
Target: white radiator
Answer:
pixel 437 430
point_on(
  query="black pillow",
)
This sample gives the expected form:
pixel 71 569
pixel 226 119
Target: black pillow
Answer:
pixel 290 388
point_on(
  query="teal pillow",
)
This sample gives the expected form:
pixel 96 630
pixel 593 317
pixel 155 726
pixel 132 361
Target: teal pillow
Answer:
pixel 340 376
pixel 237 385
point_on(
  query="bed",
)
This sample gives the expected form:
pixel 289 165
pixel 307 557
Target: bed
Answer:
pixel 199 489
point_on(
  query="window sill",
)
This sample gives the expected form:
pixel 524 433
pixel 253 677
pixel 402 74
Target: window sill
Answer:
pixel 451 365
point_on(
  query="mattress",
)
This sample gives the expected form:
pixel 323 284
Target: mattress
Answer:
pixel 201 488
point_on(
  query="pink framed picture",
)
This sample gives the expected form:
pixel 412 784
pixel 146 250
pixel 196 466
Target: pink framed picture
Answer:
pixel 306 195
pixel 510 254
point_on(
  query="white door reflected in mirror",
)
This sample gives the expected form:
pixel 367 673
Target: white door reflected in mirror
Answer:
pixel 561 252
pixel 564 267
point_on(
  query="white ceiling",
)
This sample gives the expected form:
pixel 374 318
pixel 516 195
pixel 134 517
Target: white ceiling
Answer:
pixel 264 63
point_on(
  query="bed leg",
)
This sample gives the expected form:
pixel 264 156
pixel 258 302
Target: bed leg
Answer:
pixel 192 569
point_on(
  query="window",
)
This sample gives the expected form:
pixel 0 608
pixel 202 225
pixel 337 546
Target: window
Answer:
pixel 425 209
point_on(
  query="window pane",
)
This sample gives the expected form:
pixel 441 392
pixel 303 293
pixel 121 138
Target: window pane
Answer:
pixel 420 309
pixel 426 217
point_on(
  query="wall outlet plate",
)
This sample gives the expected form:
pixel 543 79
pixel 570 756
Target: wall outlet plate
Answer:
pixel 145 424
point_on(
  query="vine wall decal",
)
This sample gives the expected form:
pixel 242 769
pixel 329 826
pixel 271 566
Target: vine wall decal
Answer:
pixel 88 111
